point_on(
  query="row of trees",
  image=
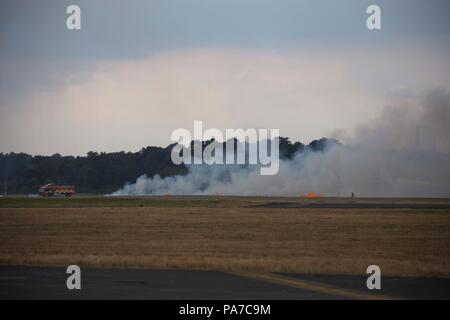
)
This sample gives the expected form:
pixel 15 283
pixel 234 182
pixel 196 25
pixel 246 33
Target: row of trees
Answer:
pixel 104 172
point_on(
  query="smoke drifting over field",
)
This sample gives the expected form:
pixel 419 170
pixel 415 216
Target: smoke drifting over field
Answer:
pixel 405 152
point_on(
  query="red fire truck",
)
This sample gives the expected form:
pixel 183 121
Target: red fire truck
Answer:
pixel 50 190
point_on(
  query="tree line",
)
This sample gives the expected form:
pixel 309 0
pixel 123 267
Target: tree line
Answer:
pixel 102 173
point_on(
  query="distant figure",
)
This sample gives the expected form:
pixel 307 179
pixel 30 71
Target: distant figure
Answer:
pixel 353 195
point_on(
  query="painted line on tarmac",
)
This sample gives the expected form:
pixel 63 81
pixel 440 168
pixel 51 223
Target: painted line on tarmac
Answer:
pixel 310 286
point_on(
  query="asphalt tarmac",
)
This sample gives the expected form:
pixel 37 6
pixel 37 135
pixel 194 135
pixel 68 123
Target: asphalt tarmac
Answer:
pixel 349 205
pixel 50 283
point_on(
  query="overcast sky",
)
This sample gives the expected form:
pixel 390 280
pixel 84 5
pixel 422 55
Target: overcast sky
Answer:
pixel 137 70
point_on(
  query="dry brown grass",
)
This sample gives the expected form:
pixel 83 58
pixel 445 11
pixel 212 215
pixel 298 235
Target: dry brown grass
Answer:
pixel 405 242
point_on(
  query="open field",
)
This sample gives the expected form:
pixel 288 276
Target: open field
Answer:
pixel 230 233
pixel 81 201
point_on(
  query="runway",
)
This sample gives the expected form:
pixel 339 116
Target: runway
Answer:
pixel 50 283
pixel 356 205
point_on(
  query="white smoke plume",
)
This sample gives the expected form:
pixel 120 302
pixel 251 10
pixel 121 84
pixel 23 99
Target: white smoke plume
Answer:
pixel 404 153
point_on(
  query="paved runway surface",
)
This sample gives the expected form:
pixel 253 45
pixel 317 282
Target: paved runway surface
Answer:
pixel 50 283
pixel 356 205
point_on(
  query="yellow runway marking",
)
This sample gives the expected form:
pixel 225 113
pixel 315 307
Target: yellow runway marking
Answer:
pixel 310 285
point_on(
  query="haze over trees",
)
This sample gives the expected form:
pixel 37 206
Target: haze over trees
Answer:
pixel 102 172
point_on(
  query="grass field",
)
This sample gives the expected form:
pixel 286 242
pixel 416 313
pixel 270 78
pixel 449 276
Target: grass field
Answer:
pixel 226 233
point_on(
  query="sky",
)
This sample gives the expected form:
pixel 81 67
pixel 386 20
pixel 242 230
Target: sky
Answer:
pixel 137 70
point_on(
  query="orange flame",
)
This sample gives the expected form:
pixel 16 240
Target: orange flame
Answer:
pixel 309 195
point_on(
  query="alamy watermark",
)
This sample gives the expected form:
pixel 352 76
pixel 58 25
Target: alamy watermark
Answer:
pixel 373 282
pixel 251 146
pixel 74 280
pixel 373 21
